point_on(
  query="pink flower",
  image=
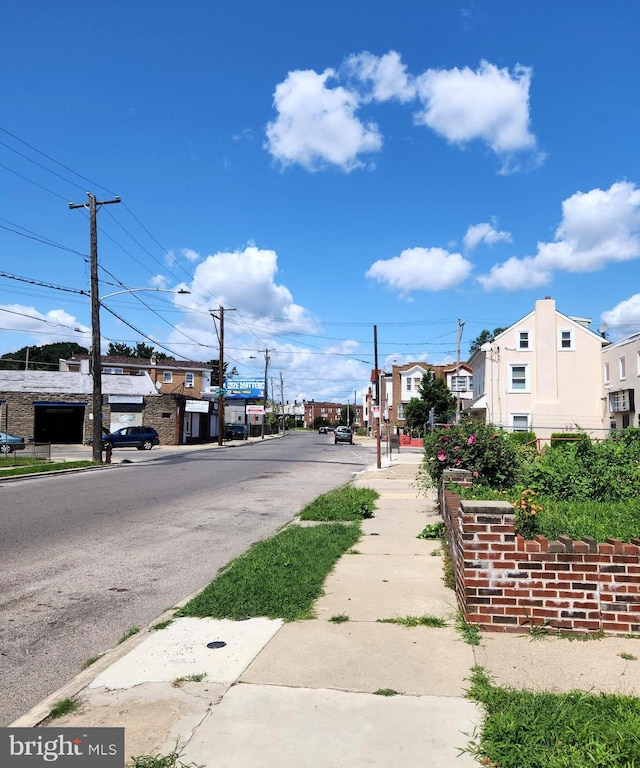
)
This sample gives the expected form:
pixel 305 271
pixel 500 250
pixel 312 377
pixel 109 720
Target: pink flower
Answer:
pixel 458 462
pixel 493 437
pixel 441 455
pixel 471 440
pixel 475 474
pixel 456 448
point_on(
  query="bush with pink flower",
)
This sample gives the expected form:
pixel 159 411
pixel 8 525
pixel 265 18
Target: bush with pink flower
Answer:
pixel 480 448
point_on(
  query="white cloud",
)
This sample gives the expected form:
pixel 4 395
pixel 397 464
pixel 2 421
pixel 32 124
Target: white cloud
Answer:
pixel 626 313
pixel 190 255
pixel 421 269
pixel 489 104
pixel 316 124
pixel 44 327
pixel 597 227
pixel 386 75
pixel 159 281
pixel 484 232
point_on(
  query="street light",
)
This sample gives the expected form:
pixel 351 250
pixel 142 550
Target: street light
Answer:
pixel 96 367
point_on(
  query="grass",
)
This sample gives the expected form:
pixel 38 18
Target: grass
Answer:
pixel 280 577
pixel 63 707
pixel 197 678
pixel 340 618
pixel 31 468
pixel 345 504
pixel 91 660
pixel 415 621
pixel 386 692
pixel 172 760
pixel 432 531
pixel 525 729
pixel 162 624
pixel 129 633
pixel 628 656
pixel 470 632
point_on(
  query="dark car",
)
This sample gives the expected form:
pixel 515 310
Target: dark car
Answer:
pixel 142 438
pixel 9 443
pixel 322 430
pixel 235 432
pixel 343 435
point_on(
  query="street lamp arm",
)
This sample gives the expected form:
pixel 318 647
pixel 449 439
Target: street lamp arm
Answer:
pixel 147 290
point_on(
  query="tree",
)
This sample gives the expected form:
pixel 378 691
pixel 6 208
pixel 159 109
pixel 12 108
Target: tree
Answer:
pixel 435 394
pixel 484 337
pixel 143 350
pixel 118 349
pixel 225 370
pixel 44 358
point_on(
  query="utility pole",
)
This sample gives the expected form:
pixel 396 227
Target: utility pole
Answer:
pixel 266 373
pixel 460 327
pixel 375 362
pixel 96 368
pixel 220 317
pixel 282 401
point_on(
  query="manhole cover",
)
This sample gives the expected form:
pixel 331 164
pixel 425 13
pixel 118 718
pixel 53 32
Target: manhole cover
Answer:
pixel 216 644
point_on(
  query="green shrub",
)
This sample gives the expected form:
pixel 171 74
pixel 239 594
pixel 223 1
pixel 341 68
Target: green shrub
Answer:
pixel 522 438
pixel 481 448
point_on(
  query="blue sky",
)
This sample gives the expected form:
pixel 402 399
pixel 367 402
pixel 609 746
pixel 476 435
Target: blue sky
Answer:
pixel 319 170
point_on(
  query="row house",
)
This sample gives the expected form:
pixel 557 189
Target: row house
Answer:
pixel 542 374
pixel 621 381
pixel 331 413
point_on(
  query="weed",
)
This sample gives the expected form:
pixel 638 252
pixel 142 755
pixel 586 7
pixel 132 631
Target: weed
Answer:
pixel 432 531
pixel 448 575
pixel 536 631
pixel 129 633
pixel 386 692
pixel 628 656
pixel 436 552
pixel 172 760
pixel 63 707
pixel 470 632
pixel 91 660
pixel 354 552
pixel 583 636
pixel 197 678
pixel 162 624
pixel 416 621
pixel 340 618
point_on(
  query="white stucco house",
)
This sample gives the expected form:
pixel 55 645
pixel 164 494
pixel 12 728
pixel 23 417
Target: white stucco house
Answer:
pixel 543 373
pixel 621 381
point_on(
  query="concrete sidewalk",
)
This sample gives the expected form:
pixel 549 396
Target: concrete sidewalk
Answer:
pixel 307 693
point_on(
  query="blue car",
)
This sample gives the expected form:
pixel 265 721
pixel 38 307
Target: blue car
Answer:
pixel 142 438
pixel 9 443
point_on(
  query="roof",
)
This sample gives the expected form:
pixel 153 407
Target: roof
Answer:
pixel 144 362
pixel 74 383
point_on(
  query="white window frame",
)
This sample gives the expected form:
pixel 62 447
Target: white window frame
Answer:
pixel 189 379
pixel 167 377
pixel 458 383
pixel 408 384
pixel 622 367
pixel 526 387
pixel 607 374
pixel 524 347
pixel 526 428
pixel 572 341
pixel 111 371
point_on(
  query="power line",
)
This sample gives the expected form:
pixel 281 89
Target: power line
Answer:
pixel 31 281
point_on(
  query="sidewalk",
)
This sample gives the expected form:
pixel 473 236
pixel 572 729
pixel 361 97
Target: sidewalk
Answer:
pixel 303 693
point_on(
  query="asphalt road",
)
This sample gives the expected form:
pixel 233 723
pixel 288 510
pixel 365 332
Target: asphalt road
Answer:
pixel 85 556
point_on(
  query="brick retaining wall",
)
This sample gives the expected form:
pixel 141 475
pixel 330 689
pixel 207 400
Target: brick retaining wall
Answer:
pixel 506 583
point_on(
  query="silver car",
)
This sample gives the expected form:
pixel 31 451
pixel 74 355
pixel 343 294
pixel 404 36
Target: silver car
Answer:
pixel 343 435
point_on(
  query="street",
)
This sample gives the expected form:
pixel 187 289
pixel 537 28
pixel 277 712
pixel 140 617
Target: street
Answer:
pixel 86 556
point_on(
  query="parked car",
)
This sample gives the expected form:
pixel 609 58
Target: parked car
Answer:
pixel 322 430
pixel 236 432
pixel 343 435
pixel 331 429
pixel 142 438
pixel 9 443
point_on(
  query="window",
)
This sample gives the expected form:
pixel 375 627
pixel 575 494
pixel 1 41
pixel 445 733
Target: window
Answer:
pixel 458 383
pixel 112 370
pixel 565 339
pixel 401 411
pixel 408 385
pixel 622 363
pixel 519 378
pixel 167 377
pixel 416 382
pixel 523 340
pixel 189 379
pixel 520 422
pixel 607 378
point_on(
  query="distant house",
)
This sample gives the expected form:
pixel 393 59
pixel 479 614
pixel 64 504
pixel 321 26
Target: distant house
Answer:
pixel 621 381
pixel 543 373
pixel 190 403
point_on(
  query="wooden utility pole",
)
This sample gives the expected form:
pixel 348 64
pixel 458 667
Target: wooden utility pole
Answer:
pixel 221 392
pixel 460 327
pixel 377 374
pixel 96 367
pixel 282 400
pixel 266 373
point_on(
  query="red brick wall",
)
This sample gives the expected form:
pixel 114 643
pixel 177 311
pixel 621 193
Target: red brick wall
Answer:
pixel 505 583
